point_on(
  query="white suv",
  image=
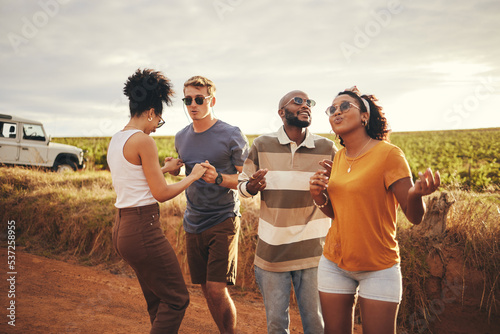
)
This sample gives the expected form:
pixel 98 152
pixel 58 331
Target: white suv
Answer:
pixel 24 142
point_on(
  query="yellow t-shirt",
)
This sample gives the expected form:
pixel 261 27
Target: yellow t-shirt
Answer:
pixel 363 233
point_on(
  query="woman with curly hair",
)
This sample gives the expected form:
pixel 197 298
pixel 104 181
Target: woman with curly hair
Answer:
pixel 139 184
pixel 361 190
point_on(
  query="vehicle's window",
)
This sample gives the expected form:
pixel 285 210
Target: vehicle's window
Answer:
pixel 33 132
pixel 8 130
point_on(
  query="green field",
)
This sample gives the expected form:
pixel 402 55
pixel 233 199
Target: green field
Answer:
pixel 468 159
pixel 465 158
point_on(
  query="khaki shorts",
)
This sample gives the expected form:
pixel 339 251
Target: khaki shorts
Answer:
pixel 213 254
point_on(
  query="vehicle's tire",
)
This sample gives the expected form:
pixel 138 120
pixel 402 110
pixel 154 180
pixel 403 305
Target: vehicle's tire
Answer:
pixel 64 166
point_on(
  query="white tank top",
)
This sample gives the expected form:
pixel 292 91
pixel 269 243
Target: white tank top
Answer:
pixel 129 180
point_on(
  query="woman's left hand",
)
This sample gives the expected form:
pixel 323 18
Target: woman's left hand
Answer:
pixel 426 183
pixel 318 183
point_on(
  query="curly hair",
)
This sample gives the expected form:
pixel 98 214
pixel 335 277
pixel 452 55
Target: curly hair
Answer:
pixel 378 126
pixel 147 89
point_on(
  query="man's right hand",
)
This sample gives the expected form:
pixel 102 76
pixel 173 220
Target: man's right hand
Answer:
pixel 257 182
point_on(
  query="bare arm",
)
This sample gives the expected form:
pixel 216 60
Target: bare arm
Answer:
pixel 410 196
pixel 252 179
pixel 160 190
pixel 318 185
pixel 257 182
pixel 228 180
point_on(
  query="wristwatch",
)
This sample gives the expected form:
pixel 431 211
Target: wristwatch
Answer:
pixel 218 179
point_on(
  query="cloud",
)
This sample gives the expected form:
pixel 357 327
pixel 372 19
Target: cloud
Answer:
pixel 71 61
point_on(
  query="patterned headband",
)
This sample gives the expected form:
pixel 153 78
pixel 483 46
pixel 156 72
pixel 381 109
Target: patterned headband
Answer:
pixel 355 90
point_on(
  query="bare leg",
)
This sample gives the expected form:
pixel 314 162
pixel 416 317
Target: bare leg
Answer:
pixel 338 312
pixel 221 306
pixel 378 316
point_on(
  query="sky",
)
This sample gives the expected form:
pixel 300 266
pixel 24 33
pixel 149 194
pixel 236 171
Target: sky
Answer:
pixel 433 65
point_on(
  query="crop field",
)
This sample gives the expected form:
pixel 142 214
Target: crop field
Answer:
pixel 468 159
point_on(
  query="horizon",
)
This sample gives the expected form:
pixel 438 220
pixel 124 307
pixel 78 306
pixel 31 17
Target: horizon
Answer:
pixel 317 133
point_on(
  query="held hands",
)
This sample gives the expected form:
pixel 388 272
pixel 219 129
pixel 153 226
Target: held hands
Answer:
pixel 210 173
pixel 257 182
pixel 172 166
pixel 198 171
pixel 426 184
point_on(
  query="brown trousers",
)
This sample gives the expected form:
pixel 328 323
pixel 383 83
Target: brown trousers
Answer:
pixel 140 241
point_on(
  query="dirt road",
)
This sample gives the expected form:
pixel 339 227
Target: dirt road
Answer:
pixel 58 297
pixel 54 296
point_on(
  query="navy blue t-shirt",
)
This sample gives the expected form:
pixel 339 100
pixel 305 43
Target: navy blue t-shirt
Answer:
pixel 224 146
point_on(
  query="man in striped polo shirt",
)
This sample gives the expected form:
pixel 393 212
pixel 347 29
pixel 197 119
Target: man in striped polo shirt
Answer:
pixel 292 229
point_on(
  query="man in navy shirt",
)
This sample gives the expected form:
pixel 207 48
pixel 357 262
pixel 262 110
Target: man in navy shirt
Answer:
pixel 211 219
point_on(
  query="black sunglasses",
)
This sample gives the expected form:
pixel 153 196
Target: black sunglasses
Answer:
pixel 199 100
pixel 343 107
pixel 160 123
pixel 299 101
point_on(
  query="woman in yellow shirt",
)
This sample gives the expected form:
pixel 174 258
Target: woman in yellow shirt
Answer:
pixel 361 190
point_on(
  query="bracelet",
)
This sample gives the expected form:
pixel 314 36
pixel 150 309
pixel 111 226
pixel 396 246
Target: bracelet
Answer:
pixel 242 187
pixel 322 205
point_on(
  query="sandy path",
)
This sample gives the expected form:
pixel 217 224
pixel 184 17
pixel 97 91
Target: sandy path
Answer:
pixel 58 297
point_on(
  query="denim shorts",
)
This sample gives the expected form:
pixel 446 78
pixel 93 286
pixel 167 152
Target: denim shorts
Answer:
pixel 384 285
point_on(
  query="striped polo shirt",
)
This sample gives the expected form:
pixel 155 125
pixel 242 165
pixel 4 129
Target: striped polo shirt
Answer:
pixel 291 229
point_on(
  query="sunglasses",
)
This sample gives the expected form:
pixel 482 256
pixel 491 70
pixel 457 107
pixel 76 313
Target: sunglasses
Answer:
pixel 199 100
pixel 160 123
pixel 343 107
pixel 299 101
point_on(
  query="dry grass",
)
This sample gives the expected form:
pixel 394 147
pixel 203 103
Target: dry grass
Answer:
pixel 475 224
pixel 443 270
pixel 63 215
pixel 59 213
pixel 66 215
